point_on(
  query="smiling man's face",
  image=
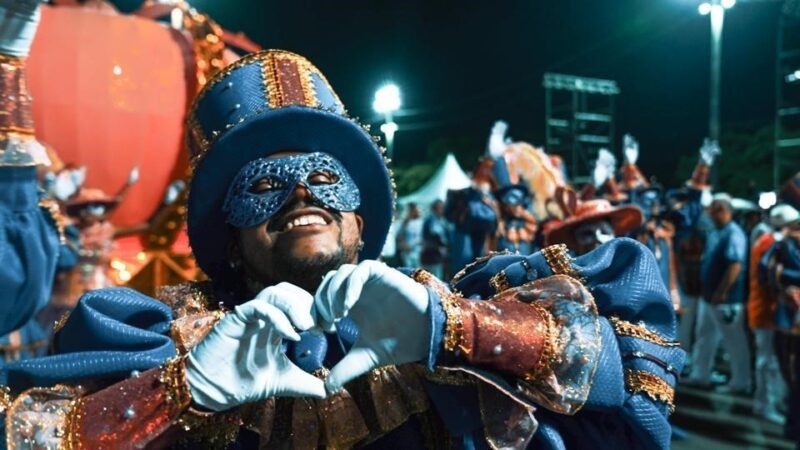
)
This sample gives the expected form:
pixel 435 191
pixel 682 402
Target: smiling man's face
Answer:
pixel 300 243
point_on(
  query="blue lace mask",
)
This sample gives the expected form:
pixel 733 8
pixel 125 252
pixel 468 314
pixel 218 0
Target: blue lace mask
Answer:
pixel 245 208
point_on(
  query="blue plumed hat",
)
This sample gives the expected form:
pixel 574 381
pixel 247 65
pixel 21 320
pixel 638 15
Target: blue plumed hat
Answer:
pixel 506 191
pixel 265 103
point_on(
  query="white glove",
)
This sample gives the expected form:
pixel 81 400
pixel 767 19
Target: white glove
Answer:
pixel 709 152
pixel 241 359
pixel 389 309
pixel 631 147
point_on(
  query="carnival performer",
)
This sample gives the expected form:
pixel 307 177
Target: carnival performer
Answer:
pixel 658 231
pixel 289 201
pixel 593 223
pixel 31 228
pixel 473 213
pixel 516 229
pixel 686 211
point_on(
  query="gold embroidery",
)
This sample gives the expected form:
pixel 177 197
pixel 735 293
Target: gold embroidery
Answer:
pixel 639 381
pixel 625 328
pixel 547 356
pixel 6 399
pixel 173 377
pixel 59 324
pixel 58 218
pixel 454 327
pixel 216 430
pixel 479 260
pixel 72 422
pixel 499 282
pixel 307 85
pixel 557 257
pixel 271 86
pixel 189 330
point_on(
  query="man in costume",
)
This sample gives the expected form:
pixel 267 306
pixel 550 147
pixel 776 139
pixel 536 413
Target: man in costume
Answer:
pixel 593 223
pixel 658 232
pixel 516 229
pixel 289 201
pixel 31 228
pixel 686 210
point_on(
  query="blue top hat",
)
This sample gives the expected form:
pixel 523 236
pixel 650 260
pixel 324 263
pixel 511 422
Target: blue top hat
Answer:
pixel 265 103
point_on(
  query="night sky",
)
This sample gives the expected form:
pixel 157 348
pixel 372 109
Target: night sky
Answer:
pixel 462 65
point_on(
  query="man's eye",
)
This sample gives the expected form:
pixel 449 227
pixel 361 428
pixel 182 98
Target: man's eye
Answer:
pixel 265 185
pixel 322 177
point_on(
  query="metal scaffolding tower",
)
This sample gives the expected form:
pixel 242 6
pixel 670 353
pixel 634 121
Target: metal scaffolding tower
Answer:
pixel 786 153
pixel 579 119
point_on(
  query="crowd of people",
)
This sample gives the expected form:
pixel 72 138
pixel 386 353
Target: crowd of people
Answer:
pixel 729 267
pixel 528 314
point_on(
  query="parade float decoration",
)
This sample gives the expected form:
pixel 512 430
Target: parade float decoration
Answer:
pixel 112 92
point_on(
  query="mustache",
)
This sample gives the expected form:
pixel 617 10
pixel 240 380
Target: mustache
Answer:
pixel 288 208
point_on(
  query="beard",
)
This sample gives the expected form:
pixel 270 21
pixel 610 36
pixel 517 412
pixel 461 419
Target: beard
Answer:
pixel 307 271
pixel 282 264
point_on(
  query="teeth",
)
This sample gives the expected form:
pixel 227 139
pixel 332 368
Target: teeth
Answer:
pixel 311 219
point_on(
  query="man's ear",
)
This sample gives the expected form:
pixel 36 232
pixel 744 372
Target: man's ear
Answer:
pixel 360 224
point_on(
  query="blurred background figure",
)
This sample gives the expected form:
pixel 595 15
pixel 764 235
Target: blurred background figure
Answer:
pixel 409 237
pixel 721 310
pixel 761 313
pixel 434 237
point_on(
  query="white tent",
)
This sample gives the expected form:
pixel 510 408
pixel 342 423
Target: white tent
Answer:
pixel 448 176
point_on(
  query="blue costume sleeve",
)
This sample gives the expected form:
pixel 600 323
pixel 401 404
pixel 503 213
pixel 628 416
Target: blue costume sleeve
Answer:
pixel 639 361
pixel 28 249
pixel 110 333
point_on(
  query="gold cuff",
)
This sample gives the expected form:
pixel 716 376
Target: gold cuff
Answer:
pixel 72 424
pixel 557 257
pixel 173 377
pixel 547 355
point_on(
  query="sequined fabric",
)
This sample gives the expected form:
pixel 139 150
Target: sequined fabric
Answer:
pixel 545 333
pixel 245 208
pixel 126 415
pixel 38 418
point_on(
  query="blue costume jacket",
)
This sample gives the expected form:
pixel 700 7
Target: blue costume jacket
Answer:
pixel 29 248
pixel 612 382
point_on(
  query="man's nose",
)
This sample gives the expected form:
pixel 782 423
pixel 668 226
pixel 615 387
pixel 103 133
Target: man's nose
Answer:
pixel 300 193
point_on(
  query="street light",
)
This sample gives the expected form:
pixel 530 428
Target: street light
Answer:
pixel 716 8
pixel 387 101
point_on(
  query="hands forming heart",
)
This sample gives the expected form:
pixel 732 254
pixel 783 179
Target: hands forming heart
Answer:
pixel 242 359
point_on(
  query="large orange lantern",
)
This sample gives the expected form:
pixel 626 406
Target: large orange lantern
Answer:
pixel 110 92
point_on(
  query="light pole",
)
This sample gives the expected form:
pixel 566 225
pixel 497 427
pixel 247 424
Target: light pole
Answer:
pixel 387 101
pixel 716 9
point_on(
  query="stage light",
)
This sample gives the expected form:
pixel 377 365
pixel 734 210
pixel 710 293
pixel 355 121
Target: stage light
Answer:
pixel 704 8
pixel 389 129
pixel 387 99
pixel 728 4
